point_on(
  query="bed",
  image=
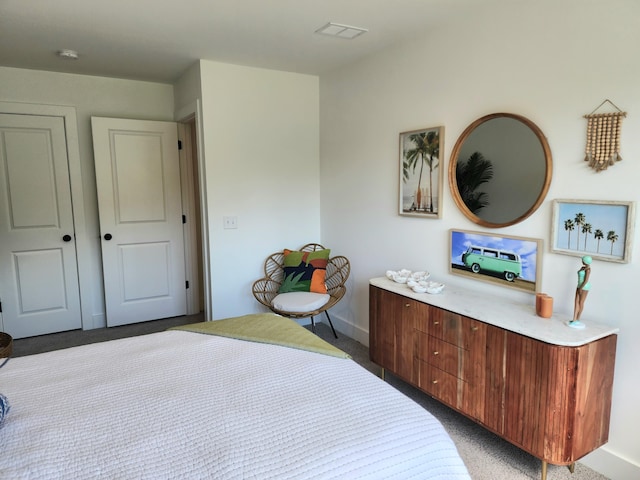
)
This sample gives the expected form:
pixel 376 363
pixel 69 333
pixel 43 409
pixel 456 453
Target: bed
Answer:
pixel 227 404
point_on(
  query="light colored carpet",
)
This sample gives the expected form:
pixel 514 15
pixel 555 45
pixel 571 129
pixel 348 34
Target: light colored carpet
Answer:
pixel 487 456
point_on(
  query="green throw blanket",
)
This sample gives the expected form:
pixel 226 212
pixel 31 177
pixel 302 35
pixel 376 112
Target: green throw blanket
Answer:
pixel 266 328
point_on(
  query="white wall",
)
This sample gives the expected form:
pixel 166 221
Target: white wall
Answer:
pixel 90 96
pixel 187 89
pixel 552 62
pixel 261 158
pixel 261 151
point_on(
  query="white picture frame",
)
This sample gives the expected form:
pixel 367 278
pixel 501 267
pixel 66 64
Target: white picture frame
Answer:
pixel 421 172
pixel 601 229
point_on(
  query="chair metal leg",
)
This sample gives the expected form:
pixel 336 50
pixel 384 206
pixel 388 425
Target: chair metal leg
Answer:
pixel 313 325
pixel 331 324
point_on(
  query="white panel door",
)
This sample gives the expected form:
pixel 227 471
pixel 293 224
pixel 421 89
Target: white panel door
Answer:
pixel 38 271
pixel 139 200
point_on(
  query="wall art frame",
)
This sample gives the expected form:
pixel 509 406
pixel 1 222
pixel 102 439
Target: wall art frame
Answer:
pixel 503 260
pixel 421 172
pixel 585 227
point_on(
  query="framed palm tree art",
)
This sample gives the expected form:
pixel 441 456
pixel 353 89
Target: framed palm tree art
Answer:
pixel 421 172
pixel 600 229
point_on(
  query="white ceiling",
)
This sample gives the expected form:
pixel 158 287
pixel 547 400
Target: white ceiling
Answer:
pixel 158 40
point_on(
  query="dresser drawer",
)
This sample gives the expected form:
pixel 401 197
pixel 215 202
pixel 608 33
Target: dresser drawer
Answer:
pixel 439 384
pixel 439 353
pixel 441 324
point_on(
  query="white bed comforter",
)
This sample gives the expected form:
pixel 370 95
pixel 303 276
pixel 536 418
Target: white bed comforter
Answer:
pixel 178 405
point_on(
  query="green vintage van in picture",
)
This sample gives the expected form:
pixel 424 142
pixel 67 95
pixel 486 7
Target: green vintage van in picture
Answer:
pixel 492 260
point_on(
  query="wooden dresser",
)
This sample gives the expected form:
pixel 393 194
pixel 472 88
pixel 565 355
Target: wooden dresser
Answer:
pixel 535 382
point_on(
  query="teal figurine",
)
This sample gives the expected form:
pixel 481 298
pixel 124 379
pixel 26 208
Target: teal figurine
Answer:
pixel 582 290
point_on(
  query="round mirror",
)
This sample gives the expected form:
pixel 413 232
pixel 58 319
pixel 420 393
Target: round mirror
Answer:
pixel 500 170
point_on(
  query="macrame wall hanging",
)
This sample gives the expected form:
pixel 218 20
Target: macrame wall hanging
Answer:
pixel 603 138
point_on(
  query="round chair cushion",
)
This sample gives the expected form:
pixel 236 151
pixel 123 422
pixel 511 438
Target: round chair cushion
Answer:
pixel 300 302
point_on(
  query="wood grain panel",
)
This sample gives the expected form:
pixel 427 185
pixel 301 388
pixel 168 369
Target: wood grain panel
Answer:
pixel 524 386
pixel 473 360
pixel 392 345
pixel 558 402
pixel 594 386
pixel 405 333
pixel 495 379
pixel 381 332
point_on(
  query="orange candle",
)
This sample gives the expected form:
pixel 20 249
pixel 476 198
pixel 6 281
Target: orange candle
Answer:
pixel 539 301
pixel 546 306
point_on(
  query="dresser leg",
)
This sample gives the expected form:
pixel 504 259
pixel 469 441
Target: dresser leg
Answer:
pixel 382 373
pixel 571 467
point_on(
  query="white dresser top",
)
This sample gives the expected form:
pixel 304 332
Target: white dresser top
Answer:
pixel 516 317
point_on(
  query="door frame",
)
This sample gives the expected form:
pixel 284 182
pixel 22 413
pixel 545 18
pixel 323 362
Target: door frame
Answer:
pixel 83 257
pixel 188 179
pixel 193 111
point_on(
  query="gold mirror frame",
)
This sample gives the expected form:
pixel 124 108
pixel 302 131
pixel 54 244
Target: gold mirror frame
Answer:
pixel 453 185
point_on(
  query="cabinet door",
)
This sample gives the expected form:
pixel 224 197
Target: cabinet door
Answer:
pixel 539 397
pixel 473 365
pixel 594 386
pixel 405 337
pixel 494 379
pixel 526 387
pixel 381 336
pixel 392 332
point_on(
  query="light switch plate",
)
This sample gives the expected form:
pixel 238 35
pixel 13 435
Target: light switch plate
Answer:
pixel 230 222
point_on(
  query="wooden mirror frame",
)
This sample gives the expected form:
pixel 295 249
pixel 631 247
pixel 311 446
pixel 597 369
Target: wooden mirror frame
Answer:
pixel 453 184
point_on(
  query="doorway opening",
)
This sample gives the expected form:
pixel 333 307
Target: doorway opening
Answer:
pixel 192 220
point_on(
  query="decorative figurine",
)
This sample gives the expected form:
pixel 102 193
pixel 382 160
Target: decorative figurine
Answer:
pixel 582 290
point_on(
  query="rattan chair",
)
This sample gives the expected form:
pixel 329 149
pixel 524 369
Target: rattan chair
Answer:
pixel 266 289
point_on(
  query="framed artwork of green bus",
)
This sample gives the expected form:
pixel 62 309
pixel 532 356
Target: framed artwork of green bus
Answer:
pixel 502 260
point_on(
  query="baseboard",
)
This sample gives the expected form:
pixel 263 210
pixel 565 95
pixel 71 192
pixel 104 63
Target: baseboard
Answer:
pixel 349 329
pixel 611 465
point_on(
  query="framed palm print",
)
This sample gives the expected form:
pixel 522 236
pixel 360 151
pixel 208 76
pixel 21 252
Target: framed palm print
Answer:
pixel 421 172
pixel 600 229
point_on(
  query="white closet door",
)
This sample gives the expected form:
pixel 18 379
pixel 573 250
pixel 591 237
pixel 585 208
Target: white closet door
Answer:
pixel 139 200
pixel 38 271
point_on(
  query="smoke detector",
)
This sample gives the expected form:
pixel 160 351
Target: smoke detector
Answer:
pixel 68 54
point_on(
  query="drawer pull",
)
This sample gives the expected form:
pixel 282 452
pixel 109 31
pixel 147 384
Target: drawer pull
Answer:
pixel 474 329
pixel 436 323
pixel 436 353
pixel 434 381
pixel 407 305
